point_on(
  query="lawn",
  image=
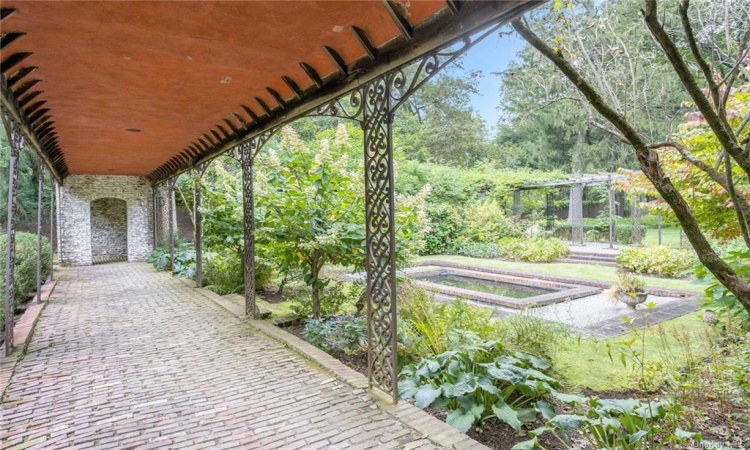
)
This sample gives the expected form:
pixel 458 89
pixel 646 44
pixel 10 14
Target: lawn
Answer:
pixel 670 237
pixel 585 363
pixel 583 271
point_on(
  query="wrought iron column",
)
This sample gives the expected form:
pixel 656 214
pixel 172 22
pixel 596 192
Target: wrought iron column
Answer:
pixel 40 193
pixel 198 218
pixel 52 191
pixel 611 197
pixel 17 141
pixel 170 199
pixel 380 235
pixel 246 158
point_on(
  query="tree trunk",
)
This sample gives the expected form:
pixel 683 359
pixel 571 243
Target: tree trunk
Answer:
pixel 636 235
pixel 315 271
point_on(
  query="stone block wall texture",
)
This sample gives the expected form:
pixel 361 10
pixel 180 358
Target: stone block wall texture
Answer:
pixel 76 196
pixel 109 230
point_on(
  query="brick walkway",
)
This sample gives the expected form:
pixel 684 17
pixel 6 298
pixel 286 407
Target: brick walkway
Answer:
pixel 124 358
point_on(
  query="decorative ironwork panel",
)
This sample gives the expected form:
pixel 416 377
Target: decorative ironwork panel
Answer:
pixel 17 141
pixel 246 153
pixel 198 172
pixel 380 231
pixel 170 198
pixel 53 190
pixel 40 193
pixel 350 107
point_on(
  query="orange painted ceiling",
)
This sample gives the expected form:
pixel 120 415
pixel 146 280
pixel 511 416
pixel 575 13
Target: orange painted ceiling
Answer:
pixel 174 70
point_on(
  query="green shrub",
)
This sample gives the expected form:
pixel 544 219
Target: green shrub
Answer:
pixel 334 298
pixel 425 324
pixel 658 260
pixel 478 249
pixel 719 300
pixel 487 223
pixel 184 259
pixel 622 424
pixel 25 266
pixel 346 333
pixel 476 384
pixel 445 226
pixel 222 273
pixel 599 232
pixel 528 334
pixel 534 250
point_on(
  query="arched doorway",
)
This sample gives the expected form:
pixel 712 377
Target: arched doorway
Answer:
pixel 109 230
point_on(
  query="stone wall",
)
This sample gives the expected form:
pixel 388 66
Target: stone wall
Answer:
pixel 109 230
pixel 76 196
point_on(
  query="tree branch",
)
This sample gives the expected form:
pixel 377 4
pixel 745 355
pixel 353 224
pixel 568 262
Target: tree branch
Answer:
pixel 651 167
pixel 742 210
pixel 720 127
pixel 705 68
pixel 734 73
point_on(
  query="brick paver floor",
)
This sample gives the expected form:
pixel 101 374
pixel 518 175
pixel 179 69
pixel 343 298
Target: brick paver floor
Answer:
pixel 124 357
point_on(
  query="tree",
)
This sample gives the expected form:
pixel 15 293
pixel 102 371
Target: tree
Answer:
pixel 310 208
pixel 713 55
pixel 437 123
pixel 550 121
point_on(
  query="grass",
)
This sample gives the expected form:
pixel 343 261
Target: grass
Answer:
pixel 670 237
pixel 675 343
pixel 583 271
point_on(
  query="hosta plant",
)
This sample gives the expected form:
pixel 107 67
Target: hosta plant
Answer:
pixel 622 424
pixel 477 382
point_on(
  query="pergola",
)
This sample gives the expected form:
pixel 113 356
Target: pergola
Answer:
pixel 582 181
pixel 156 89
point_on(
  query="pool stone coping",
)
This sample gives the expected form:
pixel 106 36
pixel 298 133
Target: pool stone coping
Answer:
pixel 565 291
pixel 661 292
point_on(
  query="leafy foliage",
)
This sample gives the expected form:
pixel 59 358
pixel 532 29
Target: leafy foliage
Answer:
pixel 537 249
pixel 718 299
pixel 312 201
pixel 425 325
pixel 222 273
pixel 344 333
pixel 24 281
pixel 335 297
pixel 184 259
pixel 658 260
pixel 476 382
pixel 478 249
pixel 622 424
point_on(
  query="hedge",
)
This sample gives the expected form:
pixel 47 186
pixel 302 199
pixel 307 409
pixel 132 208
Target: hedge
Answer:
pixel 25 267
pixel 597 233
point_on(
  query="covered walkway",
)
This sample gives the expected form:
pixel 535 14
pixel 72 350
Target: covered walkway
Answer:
pixel 124 357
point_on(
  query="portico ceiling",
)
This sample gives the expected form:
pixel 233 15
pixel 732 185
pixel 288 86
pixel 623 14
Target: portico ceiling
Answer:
pixel 147 88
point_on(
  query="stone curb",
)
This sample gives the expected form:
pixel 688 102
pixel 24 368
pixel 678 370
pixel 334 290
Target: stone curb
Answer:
pixel 432 428
pixel 556 278
pixel 23 331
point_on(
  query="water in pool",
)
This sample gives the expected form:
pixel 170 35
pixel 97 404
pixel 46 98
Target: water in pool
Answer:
pixel 487 286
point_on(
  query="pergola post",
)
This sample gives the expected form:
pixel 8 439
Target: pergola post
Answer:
pixel 170 199
pixel 611 211
pixel 40 193
pixel 246 158
pixel 53 190
pixel 517 208
pixel 380 235
pixel 198 219
pixel 17 141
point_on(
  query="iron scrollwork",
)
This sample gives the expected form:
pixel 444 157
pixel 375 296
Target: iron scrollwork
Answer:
pixel 17 142
pixel 380 235
pixel 170 200
pixel 245 153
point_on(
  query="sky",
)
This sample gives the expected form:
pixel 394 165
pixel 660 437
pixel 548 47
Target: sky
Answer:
pixel 491 55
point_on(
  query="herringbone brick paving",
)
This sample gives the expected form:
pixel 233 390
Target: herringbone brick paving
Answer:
pixel 124 357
